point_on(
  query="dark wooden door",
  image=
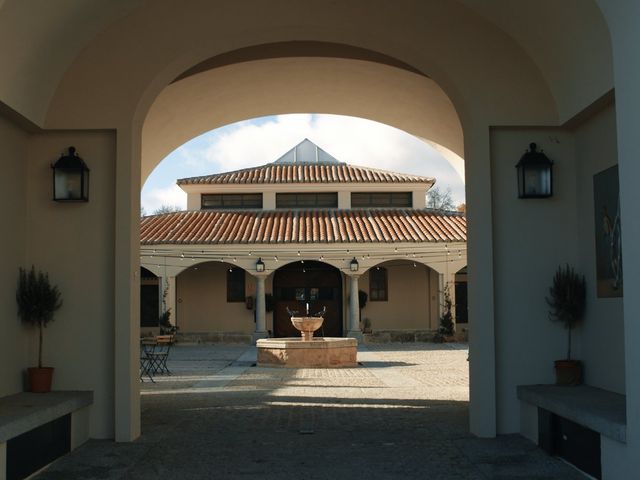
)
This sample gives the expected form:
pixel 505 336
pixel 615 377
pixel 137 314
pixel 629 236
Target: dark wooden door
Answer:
pixel 315 283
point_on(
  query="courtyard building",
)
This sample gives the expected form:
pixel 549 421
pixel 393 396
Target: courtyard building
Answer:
pixel 302 232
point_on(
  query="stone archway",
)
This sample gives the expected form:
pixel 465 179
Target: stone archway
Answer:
pixel 499 93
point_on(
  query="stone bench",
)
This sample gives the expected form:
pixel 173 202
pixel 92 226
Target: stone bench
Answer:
pixel 553 416
pixel 23 414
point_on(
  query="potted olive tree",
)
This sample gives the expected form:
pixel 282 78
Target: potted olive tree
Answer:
pixel 38 300
pixel 567 300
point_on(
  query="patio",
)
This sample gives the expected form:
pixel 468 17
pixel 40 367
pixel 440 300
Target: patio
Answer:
pixel 401 414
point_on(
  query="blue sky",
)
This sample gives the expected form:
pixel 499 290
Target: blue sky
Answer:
pixel 263 140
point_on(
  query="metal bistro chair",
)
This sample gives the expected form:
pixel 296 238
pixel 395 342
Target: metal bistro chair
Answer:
pixel 147 347
pixel 160 354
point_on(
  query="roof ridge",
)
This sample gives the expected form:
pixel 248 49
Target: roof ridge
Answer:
pixel 373 169
pixel 335 173
pixel 230 172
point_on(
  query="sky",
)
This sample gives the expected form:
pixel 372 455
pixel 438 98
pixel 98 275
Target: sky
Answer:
pixel 263 140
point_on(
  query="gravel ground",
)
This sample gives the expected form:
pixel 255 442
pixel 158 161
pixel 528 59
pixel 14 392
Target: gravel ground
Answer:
pixel 402 414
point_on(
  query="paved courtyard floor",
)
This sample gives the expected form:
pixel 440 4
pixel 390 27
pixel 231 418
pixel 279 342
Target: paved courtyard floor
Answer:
pixel 401 415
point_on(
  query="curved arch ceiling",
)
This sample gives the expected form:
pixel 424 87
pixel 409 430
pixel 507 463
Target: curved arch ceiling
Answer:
pixel 100 46
pixel 568 40
pixel 213 98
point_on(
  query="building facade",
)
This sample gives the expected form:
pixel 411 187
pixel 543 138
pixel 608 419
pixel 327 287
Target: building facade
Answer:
pixel 303 230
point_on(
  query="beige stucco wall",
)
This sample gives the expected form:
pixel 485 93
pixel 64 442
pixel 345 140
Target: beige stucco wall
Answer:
pixel 74 243
pixel 602 333
pixel 525 336
pixel 202 301
pixel 527 343
pixel 13 192
pixel 412 294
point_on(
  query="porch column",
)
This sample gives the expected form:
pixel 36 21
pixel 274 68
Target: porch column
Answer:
pixel 450 281
pixel 354 309
pixel 168 297
pixel 171 299
pixel 441 285
pixel 261 317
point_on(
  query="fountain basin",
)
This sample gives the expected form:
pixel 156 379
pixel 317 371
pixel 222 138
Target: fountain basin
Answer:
pixel 307 325
pixel 315 353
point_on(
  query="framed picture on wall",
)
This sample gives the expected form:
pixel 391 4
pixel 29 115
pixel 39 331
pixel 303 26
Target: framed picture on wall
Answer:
pixel 606 201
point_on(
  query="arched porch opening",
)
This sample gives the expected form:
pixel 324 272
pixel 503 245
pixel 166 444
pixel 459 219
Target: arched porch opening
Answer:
pixel 311 283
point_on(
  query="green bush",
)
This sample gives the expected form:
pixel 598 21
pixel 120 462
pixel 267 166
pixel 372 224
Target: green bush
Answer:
pixel 37 300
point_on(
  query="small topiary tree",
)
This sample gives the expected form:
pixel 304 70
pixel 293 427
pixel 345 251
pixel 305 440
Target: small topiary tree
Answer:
pixel 567 300
pixel 447 326
pixel 37 300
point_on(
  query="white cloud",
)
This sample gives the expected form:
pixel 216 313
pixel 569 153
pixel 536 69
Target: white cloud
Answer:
pixel 264 140
pixel 256 144
pixel 155 198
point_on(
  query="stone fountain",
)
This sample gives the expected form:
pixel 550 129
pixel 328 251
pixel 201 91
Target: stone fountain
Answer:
pixel 307 351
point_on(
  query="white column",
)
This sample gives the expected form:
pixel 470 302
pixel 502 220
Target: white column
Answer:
pixel 622 17
pixel 450 282
pixel 261 317
pixel 441 285
pixel 171 299
pixel 127 287
pixel 168 296
pixel 354 309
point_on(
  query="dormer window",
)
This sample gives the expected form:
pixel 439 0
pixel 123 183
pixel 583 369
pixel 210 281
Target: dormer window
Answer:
pixel 307 200
pixel 381 200
pixel 229 201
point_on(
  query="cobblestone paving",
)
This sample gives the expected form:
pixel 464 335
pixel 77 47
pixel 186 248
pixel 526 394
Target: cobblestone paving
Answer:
pixel 401 415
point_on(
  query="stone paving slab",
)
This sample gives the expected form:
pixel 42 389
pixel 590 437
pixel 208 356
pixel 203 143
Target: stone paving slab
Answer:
pixel 401 415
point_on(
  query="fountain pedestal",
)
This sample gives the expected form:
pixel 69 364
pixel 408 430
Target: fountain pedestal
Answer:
pixel 306 351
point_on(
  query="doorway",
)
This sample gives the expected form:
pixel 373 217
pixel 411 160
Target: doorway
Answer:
pixel 307 282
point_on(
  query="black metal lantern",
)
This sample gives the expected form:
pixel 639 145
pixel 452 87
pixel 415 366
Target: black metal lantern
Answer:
pixel 260 265
pixel 70 178
pixel 535 179
pixel 354 265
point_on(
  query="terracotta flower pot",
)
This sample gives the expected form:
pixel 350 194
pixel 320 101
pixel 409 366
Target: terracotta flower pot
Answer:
pixel 568 372
pixel 40 379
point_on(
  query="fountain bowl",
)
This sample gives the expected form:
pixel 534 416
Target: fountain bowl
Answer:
pixel 307 325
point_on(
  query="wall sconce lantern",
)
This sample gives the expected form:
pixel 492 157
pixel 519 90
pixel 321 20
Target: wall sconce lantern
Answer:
pixel 260 265
pixel 354 265
pixel 70 178
pixel 535 178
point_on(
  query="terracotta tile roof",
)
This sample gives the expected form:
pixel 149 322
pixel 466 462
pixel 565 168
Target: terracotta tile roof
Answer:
pixel 273 173
pixel 302 226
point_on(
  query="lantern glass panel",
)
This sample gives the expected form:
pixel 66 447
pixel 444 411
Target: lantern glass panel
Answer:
pixel 68 184
pixel 537 181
